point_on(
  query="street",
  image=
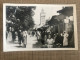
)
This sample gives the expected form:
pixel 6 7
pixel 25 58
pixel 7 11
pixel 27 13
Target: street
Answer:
pixel 30 41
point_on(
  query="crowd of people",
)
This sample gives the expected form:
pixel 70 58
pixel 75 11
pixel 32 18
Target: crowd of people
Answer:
pixel 20 36
pixel 51 40
pixel 46 38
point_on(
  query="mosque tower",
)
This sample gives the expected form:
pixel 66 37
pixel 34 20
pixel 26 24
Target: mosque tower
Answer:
pixel 42 18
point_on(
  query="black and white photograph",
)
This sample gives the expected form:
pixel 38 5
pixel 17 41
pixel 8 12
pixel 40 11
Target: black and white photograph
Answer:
pixel 34 27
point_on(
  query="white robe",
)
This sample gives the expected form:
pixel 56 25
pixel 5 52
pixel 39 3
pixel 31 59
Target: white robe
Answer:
pixel 65 40
pixel 25 37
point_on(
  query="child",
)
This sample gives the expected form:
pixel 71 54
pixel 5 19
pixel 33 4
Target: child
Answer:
pixel 50 42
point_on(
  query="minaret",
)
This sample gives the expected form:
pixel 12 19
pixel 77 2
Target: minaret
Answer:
pixel 42 18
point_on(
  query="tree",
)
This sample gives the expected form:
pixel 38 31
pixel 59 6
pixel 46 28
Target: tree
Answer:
pixel 20 16
pixel 10 11
pixel 25 15
pixel 28 22
pixel 10 17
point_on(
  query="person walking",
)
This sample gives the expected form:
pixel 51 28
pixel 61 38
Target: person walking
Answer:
pixel 65 39
pixel 9 37
pixel 24 38
pixel 20 36
pixel 13 34
pixel 61 40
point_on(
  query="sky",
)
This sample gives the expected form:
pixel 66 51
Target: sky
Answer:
pixel 49 12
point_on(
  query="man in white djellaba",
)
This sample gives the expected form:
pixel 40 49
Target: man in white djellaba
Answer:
pixel 24 38
pixel 9 37
pixel 65 39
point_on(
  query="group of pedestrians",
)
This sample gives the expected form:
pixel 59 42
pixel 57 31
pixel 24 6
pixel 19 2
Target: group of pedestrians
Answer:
pixel 20 36
pixel 61 40
pixel 47 38
pixel 52 40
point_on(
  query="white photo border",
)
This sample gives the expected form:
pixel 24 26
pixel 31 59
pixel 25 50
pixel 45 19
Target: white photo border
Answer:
pixel 5 49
